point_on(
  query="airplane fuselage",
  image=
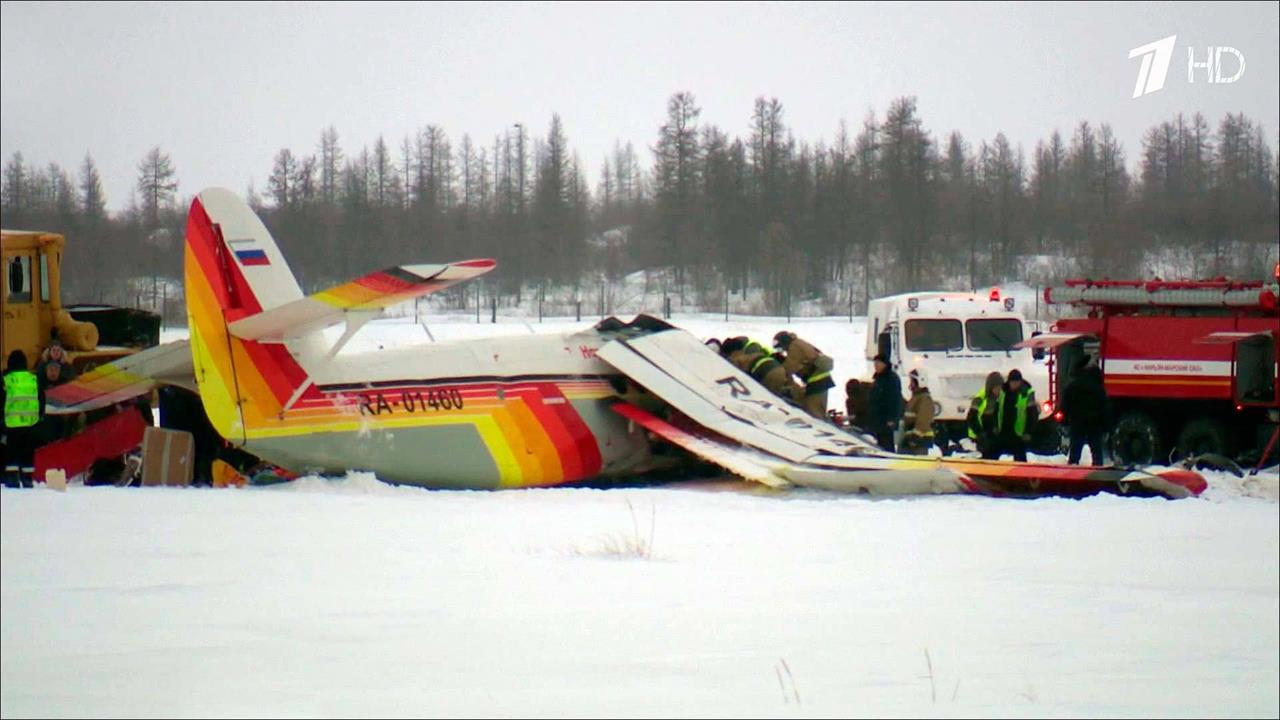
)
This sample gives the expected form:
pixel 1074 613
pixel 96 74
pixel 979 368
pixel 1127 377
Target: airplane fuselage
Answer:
pixel 505 412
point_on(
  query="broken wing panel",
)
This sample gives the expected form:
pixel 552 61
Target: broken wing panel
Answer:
pixel 700 383
pixel 696 406
pixel 125 379
pixel 743 462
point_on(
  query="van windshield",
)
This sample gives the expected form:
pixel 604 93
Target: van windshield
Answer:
pixel 994 334
pixel 933 335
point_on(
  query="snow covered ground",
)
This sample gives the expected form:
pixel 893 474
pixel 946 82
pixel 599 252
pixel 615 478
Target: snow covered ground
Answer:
pixel 353 598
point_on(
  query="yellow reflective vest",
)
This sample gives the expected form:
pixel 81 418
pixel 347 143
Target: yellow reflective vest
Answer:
pixel 21 399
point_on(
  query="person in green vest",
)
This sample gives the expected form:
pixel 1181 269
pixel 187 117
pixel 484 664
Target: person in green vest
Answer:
pixel 23 401
pixel 981 420
pixel 753 358
pixel 1016 414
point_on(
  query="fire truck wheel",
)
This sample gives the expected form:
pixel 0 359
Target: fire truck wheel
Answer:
pixel 1136 440
pixel 1050 438
pixel 1200 436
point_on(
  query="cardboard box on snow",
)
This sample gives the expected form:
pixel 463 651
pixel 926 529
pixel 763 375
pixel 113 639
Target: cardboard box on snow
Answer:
pixel 168 457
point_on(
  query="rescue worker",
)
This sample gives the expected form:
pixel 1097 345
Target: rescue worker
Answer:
pixel 754 359
pixel 1086 412
pixel 23 402
pixel 981 420
pixel 1016 414
pixel 857 403
pixel 811 367
pixel 918 418
pixel 885 403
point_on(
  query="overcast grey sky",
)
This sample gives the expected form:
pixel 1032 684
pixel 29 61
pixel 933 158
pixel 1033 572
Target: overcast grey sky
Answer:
pixel 223 86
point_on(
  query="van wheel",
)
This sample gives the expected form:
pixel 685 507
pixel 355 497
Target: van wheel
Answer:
pixel 1200 436
pixel 1136 440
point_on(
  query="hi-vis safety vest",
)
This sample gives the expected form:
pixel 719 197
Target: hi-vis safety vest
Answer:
pixel 21 399
pixel 1020 422
pixel 981 399
pixel 762 365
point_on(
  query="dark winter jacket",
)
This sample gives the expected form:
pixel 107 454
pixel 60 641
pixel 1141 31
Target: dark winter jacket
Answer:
pixel 857 403
pixel 1084 402
pixel 1008 404
pixel 886 399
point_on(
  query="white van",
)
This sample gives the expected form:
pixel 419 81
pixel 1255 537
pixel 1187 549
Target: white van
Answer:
pixel 954 340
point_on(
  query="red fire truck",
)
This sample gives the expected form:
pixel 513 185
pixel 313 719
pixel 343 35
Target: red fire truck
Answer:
pixel 1189 366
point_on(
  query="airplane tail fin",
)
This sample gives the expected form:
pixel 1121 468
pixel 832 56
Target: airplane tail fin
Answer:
pixel 233 270
pixel 255 338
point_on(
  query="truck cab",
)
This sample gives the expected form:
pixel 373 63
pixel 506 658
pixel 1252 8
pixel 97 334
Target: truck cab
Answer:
pixel 32 313
pixel 954 340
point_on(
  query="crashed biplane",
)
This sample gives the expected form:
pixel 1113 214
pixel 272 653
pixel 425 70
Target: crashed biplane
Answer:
pixel 519 411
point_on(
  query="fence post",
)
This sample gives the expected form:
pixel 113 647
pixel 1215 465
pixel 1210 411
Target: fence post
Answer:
pixel 666 307
pixel 477 303
pixel 577 309
pixel 493 309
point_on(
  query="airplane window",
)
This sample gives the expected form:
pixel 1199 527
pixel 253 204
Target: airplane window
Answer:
pixel 20 279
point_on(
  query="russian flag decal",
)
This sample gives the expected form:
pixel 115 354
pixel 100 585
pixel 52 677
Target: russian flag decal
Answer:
pixel 252 257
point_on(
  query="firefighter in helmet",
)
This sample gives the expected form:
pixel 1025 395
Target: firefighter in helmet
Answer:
pixel 753 358
pixel 811 367
pixel 917 421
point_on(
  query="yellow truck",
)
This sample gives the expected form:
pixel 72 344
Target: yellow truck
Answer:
pixel 33 313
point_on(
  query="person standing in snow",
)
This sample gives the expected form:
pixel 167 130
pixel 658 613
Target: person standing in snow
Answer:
pixel 918 418
pixel 857 403
pixel 23 401
pixel 1086 411
pixel 885 403
pixel 981 420
pixel 1016 414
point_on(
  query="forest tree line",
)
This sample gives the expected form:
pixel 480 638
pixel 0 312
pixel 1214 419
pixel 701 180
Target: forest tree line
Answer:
pixel 884 206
